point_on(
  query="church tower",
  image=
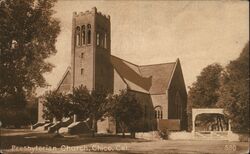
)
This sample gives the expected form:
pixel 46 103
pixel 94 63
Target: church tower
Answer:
pixel 90 50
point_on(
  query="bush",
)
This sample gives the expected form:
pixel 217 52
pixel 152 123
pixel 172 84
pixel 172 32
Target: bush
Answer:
pixel 15 117
pixel 164 134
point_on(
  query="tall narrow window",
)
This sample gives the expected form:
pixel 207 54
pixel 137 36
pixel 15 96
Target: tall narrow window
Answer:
pixel 178 105
pixel 83 35
pixel 82 54
pixel 105 41
pixel 81 71
pixel 102 40
pixel 78 42
pixel 89 34
pixel 158 114
pixel 97 39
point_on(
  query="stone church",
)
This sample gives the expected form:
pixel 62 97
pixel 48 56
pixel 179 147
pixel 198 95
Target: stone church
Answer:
pixel 160 87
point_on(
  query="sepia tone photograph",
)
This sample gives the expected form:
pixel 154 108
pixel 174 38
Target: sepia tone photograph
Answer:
pixel 142 76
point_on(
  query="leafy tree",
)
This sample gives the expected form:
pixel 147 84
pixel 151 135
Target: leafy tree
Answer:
pixel 204 92
pixel 56 105
pixel 234 92
pixel 28 33
pixel 81 100
pixel 98 106
pixel 127 111
pixel 92 105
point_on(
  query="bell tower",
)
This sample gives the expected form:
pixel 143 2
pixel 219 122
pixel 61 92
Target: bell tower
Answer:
pixel 90 50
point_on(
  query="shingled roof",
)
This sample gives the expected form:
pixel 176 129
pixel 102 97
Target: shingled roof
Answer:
pixel 153 79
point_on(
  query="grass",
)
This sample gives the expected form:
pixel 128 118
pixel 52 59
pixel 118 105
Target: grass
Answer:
pixel 32 139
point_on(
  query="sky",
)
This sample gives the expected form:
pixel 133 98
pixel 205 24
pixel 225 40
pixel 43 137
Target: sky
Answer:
pixel 199 33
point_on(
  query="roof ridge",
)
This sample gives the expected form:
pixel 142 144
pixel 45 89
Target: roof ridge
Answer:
pixel 172 73
pixel 125 60
pixel 121 76
pixel 63 77
pixel 157 64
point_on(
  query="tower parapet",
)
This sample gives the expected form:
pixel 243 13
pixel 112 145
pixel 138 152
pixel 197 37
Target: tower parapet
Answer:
pixel 93 11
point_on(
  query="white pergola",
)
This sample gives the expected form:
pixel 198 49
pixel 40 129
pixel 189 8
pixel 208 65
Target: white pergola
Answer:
pixel 197 111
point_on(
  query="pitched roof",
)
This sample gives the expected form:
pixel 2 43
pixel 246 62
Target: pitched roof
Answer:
pixel 161 76
pixel 130 74
pixel 63 80
pixel 153 79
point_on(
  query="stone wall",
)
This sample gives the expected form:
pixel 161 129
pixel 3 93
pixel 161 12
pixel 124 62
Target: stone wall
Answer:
pixel 40 110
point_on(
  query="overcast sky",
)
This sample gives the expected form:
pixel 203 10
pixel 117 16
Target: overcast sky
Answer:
pixel 148 32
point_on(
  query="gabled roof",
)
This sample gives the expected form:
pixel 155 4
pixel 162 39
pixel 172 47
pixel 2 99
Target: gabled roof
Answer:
pixel 153 79
pixel 65 75
pixel 161 76
pixel 130 73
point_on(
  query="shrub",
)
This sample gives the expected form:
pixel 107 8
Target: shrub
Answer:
pixel 164 134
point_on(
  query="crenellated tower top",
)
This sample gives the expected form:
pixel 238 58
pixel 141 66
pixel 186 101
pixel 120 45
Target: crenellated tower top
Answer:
pixel 93 11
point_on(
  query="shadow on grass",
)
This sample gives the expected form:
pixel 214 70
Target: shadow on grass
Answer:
pixel 45 139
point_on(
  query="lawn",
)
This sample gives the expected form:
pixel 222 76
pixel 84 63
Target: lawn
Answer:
pixel 26 141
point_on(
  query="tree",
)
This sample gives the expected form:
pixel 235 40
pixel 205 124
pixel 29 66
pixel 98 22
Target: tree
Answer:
pixel 28 33
pixel 204 92
pixel 89 105
pixel 56 105
pixel 81 100
pixel 234 92
pixel 98 106
pixel 127 111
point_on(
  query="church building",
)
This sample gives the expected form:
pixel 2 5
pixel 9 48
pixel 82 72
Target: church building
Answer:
pixel 160 87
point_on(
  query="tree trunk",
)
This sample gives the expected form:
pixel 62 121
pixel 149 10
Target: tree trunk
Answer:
pixel 93 127
pixel 57 129
pixel 123 130
pixel 132 134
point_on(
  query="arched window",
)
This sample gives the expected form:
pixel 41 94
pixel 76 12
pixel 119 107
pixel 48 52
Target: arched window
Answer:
pixel 158 112
pixel 83 34
pixel 78 42
pixel 89 34
pixel 97 39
